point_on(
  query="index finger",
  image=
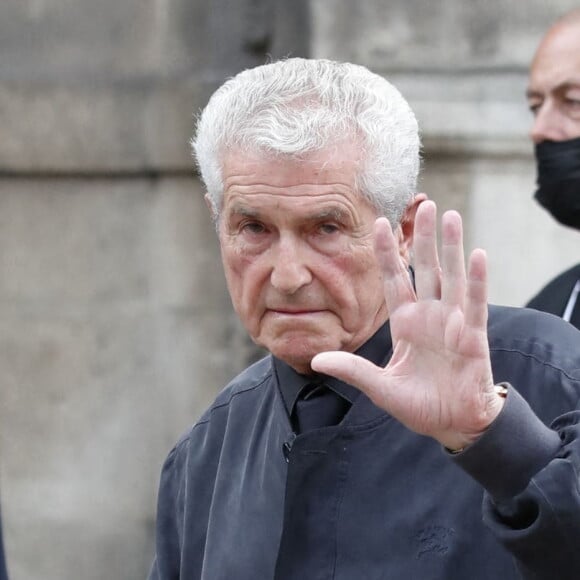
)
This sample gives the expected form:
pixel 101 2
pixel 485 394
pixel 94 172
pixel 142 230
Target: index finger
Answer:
pixel 396 280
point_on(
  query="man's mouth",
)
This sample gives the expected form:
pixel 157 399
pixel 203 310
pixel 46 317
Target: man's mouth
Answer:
pixel 294 311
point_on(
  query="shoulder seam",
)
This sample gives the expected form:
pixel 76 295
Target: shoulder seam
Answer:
pixel 226 403
pixel 532 356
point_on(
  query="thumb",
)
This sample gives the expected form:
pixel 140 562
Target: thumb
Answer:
pixel 351 369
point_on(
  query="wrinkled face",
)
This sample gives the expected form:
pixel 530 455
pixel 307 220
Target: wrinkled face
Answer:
pixel 554 85
pixel 297 248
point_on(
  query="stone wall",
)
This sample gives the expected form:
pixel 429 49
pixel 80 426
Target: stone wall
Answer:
pixel 116 328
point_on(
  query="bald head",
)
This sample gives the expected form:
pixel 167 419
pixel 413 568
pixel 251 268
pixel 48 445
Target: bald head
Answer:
pixel 554 84
pixel 572 17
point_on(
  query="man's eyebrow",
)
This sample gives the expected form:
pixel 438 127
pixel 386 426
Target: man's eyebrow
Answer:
pixel 333 213
pixel 572 84
pixel 563 86
pixel 244 210
pixel 533 94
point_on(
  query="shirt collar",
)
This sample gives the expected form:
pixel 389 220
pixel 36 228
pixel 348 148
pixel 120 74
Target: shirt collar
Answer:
pixel 290 383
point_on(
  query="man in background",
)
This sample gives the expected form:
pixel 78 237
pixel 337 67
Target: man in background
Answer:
pixel 554 99
pixel 3 572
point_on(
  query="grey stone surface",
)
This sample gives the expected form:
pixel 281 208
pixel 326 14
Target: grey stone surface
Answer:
pixel 128 126
pixel 80 40
pixel 474 114
pixel 418 35
pixel 525 246
pixel 114 86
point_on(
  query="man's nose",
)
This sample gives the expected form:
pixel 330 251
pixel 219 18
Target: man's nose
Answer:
pixel 290 270
pixel 549 125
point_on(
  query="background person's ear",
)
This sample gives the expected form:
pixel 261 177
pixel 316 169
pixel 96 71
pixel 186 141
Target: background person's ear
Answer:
pixel 407 226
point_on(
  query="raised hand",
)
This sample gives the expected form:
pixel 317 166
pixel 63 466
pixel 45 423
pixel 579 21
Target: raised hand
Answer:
pixel 439 380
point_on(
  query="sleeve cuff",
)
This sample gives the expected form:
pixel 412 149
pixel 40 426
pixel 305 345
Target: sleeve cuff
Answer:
pixel 515 447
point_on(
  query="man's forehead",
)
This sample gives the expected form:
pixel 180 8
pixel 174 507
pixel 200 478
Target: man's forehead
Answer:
pixel 560 46
pixel 556 65
pixel 316 176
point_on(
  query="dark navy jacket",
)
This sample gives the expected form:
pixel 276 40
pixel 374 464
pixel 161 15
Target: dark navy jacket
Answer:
pixel 3 572
pixel 370 500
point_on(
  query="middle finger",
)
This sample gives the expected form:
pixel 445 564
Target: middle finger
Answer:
pixel 425 258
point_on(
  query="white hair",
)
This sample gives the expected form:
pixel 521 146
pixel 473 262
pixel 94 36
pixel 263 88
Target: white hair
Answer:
pixel 299 106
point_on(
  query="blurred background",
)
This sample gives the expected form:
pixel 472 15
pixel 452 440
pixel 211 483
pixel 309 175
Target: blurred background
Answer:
pixel 116 327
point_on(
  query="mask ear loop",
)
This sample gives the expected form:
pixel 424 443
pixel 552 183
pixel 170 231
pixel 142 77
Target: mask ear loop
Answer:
pixel 571 302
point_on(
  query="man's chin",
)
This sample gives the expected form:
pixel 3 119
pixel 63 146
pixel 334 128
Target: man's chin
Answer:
pixel 298 351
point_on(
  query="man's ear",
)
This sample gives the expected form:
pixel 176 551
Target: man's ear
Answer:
pixel 407 226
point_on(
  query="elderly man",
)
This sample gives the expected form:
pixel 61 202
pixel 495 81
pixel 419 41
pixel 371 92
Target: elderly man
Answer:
pixel 399 428
pixel 554 99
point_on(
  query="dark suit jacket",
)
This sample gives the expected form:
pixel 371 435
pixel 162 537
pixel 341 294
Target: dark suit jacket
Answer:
pixel 3 573
pixel 554 296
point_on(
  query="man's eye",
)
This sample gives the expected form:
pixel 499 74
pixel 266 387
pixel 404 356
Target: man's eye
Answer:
pixel 572 107
pixel 534 108
pixel 253 227
pixel 574 103
pixel 328 229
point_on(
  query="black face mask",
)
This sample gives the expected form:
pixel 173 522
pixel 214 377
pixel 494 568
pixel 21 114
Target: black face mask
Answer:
pixel 559 180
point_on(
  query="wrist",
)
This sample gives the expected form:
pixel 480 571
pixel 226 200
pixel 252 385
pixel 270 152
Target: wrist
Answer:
pixel 500 392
